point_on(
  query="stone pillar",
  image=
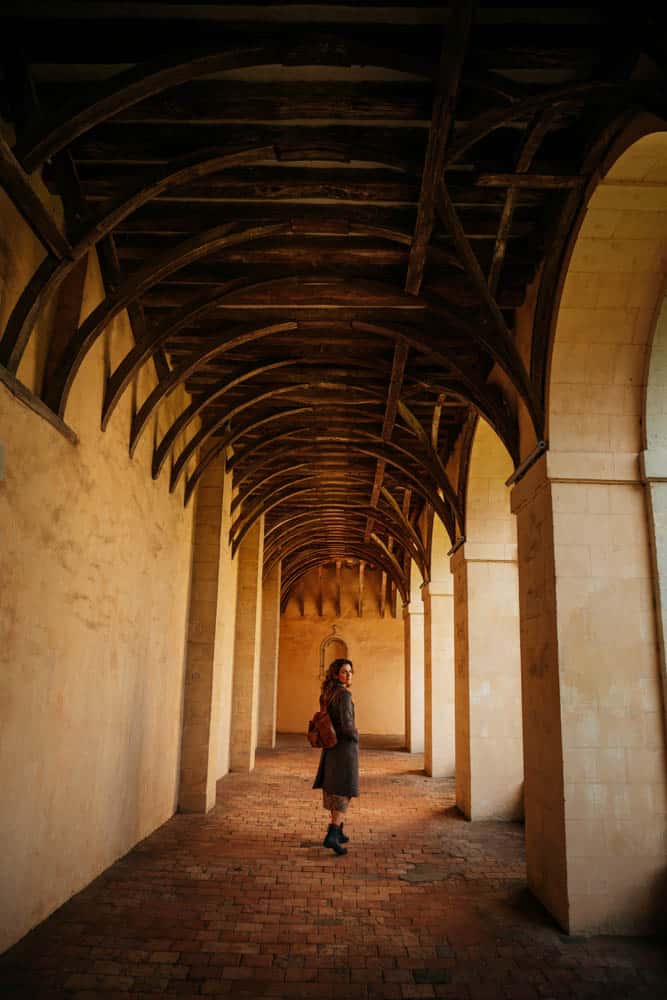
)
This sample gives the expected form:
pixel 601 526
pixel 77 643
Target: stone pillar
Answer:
pixel 413 634
pixel 245 697
pixel 439 748
pixel 200 702
pixel 594 748
pixel 489 754
pixel 268 668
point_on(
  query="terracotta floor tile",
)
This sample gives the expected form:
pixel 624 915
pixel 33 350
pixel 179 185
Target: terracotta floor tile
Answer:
pixel 246 903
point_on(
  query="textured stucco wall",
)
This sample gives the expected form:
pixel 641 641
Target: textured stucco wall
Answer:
pixel 95 563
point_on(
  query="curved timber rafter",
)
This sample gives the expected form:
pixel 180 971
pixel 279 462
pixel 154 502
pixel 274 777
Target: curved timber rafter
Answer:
pixel 306 518
pixel 55 131
pixel 340 549
pixel 291 461
pixel 496 340
pixel 380 556
pixel 198 308
pixel 54 269
pixel 200 438
pixel 394 521
pixel 197 406
pixel 473 390
pixel 190 250
pixel 291 491
pixel 384 450
pixel 329 521
pixel 365 443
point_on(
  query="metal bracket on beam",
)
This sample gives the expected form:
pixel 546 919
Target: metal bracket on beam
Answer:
pixel 527 463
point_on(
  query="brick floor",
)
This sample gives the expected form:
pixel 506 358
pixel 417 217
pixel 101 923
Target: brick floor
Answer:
pixel 246 903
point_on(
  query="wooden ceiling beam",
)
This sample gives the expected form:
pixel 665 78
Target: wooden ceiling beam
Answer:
pixel 208 429
pixel 30 206
pixel 453 53
pixel 57 391
pixel 497 339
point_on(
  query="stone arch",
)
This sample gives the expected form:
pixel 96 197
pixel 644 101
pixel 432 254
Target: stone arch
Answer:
pixel 596 773
pixel 654 470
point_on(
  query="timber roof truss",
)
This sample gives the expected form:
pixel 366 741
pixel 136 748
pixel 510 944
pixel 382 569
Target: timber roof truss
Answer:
pixel 320 221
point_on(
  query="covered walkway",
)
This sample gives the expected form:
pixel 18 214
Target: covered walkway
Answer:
pixel 244 902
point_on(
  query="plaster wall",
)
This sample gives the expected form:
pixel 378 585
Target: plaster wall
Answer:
pixel 375 646
pixel 95 566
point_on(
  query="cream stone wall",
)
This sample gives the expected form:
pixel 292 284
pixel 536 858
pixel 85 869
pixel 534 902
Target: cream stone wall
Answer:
pixel 615 281
pixel 201 701
pixel 247 644
pixel 225 632
pixel 375 646
pixel 541 694
pixel 95 565
pixel 489 754
pixel 413 644
pixel 268 665
pixel 439 695
pixel 589 628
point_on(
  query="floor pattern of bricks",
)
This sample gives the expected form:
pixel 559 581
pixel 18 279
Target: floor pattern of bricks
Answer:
pixel 246 903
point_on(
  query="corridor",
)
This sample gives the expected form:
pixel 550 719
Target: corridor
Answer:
pixel 244 902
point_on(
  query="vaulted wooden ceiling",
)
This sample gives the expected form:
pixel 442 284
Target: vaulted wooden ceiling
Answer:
pixel 320 219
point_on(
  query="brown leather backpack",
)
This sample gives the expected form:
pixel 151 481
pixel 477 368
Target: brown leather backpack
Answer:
pixel 321 732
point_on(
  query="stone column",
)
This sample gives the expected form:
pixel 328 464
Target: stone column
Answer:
pixel 489 754
pixel 439 749
pixel 200 705
pixel 595 768
pixel 413 635
pixel 245 697
pixel 268 669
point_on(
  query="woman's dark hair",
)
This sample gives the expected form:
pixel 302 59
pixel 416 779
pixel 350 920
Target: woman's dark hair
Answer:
pixel 331 677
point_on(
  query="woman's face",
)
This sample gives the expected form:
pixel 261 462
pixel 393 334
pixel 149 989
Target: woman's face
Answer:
pixel 344 675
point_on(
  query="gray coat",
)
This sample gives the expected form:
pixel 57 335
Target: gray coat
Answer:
pixel 338 772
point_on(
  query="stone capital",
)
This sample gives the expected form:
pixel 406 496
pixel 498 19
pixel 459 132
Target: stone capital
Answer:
pixel 438 588
pixel 483 552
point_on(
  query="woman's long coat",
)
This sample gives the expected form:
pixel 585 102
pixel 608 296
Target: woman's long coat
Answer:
pixel 338 772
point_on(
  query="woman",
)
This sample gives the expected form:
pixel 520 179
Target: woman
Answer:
pixel 338 773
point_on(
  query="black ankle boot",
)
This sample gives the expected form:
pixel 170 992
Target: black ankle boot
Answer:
pixel 342 839
pixel 332 840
